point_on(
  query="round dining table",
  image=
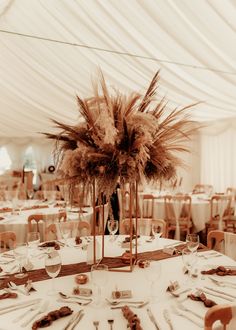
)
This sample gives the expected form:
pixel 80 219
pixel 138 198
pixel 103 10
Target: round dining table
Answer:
pixel 17 220
pixel 167 307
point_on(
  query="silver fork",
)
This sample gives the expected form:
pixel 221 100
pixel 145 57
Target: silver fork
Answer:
pixel 179 305
pixel 18 318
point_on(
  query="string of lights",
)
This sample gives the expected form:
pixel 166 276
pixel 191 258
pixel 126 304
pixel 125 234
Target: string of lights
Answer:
pixel 193 66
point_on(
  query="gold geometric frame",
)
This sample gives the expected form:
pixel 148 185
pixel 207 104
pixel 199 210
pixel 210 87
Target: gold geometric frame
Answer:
pixel 131 199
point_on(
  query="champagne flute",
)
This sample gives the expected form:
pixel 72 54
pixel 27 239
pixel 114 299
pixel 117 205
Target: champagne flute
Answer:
pixel 189 259
pixel 20 253
pixel 99 274
pixel 52 267
pixel 112 226
pixel 153 274
pixel 192 241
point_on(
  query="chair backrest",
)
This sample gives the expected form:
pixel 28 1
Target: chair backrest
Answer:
pixel 7 240
pixel 223 242
pixel 215 238
pixel 177 207
pixel 49 218
pixel 56 230
pixel 83 228
pixel 223 313
pixel 162 224
pixel 125 226
pixel 219 210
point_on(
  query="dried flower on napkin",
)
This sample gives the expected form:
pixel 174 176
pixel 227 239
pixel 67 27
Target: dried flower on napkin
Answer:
pixel 47 320
pixel 50 244
pixel 133 320
pixel 221 271
pixel 8 295
pixel 78 240
pixel 202 297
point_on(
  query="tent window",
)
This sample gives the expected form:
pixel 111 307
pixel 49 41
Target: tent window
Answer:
pixel 30 163
pixel 5 160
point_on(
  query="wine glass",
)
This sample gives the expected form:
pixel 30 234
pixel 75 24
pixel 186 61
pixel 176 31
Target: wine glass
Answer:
pixel 30 193
pixel 66 231
pixel 156 231
pixel 153 274
pixel 99 274
pixel 33 239
pixel 112 226
pixel 52 267
pixel 192 241
pixel 20 253
pixel 189 259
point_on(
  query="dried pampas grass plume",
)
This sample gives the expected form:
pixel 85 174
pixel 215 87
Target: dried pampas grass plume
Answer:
pixel 126 137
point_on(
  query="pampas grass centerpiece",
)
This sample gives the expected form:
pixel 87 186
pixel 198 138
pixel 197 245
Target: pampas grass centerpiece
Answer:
pixel 131 138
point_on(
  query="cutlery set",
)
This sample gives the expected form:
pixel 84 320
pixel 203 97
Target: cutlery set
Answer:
pixel 75 319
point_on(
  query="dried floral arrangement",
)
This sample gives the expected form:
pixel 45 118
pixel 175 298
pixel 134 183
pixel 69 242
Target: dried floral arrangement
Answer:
pixel 128 138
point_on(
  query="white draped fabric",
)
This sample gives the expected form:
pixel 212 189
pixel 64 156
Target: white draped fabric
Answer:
pixel 218 156
pixel 192 42
pixel 51 50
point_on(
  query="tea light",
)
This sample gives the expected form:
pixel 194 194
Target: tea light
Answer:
pixel 81 278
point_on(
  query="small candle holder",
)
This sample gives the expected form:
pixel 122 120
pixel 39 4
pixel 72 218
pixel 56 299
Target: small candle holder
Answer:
pixel 81 279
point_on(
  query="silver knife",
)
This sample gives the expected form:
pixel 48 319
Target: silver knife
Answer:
pixel 167 318
pixel 73 319
pixel 77 320
pixel 19 305
pixel 152 318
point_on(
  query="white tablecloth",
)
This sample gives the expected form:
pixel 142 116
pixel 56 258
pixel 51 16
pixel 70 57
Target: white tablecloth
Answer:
pixel 172 269
pixel 18 222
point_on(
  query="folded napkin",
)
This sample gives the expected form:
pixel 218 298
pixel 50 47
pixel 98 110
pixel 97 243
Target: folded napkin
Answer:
pixel 50 244
pixel 202 297
pixel 221 271
pixel 133 320
pixel 8 295
pixel 47 320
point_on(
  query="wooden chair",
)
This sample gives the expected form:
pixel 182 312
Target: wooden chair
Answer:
pixel 215 238
pixel 178 214
pixel 7 240
pixel 223 313
pixel 223 242
pixel 46 218
pixel 145 226
pixel 219 212
pixel 125 226
pixel 54 231
pixel 83 228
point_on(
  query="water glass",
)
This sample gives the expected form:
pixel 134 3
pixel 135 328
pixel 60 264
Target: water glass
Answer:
pixel 153 274
pixel 99 275
pixel 20 252
pixel 112 226
pixel 192 241
pixel 52 267
pixel 33 239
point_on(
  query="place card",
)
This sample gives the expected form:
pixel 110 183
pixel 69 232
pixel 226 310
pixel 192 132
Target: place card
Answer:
pixel 121 294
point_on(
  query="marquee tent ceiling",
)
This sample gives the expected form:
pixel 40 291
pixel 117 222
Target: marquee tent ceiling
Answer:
pixel 51 49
